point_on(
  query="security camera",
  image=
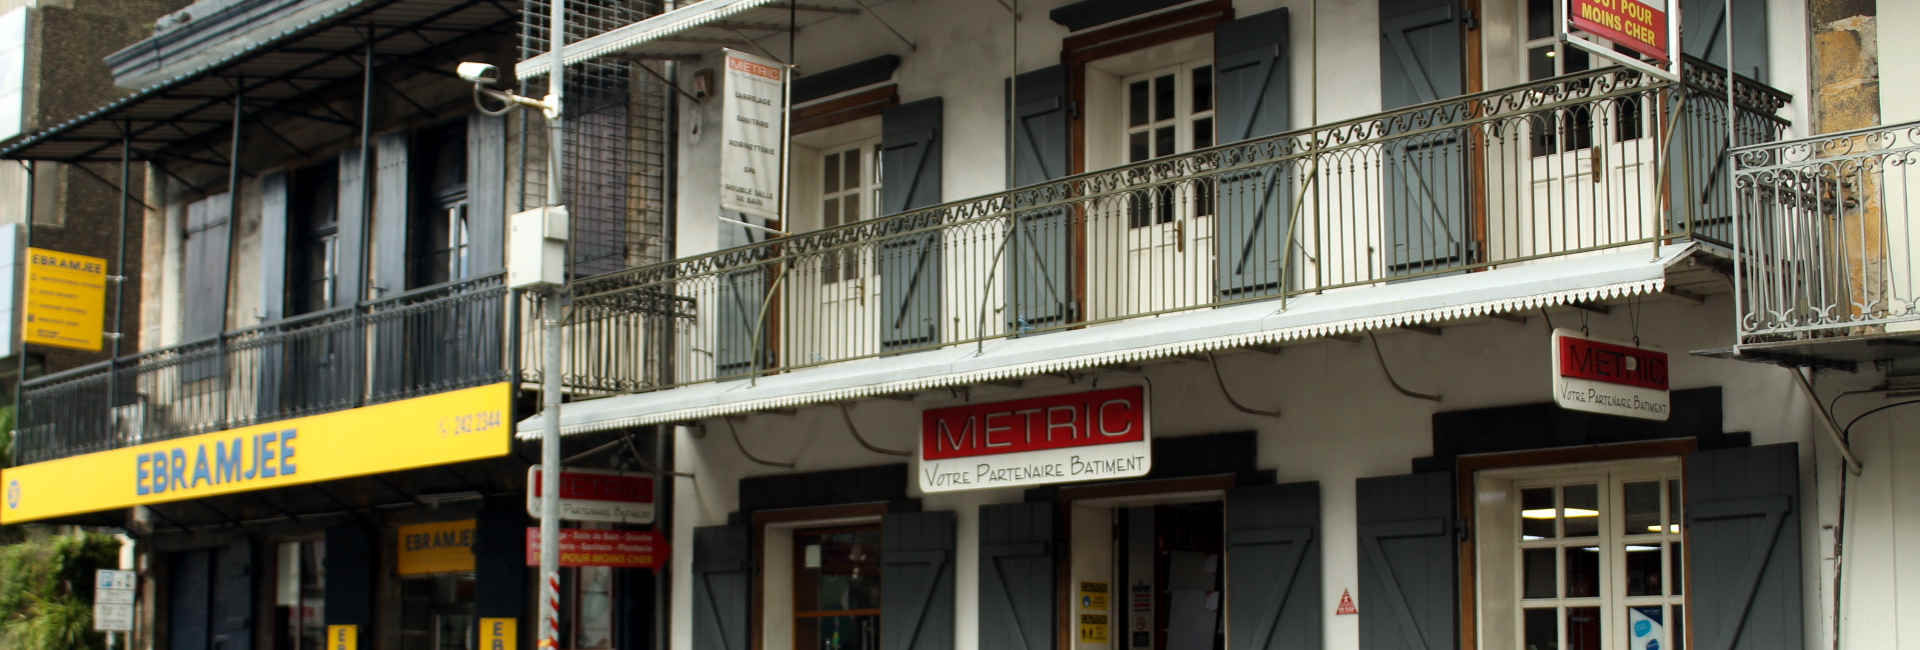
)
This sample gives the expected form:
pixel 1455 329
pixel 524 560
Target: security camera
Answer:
pixel 483 74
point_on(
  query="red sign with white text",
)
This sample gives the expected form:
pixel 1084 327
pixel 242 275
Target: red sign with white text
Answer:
pixel 596 495
pixel 1089 436
pixel 1631 23
pixel 1610 377
pixel 622 549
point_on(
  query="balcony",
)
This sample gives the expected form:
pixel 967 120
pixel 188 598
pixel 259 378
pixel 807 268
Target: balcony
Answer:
pixel 1826 265
pixel 1565 167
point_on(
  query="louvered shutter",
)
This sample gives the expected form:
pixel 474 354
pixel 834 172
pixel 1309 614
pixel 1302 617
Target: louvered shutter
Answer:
pixel 353 229
pixel 208 224
pixel 233 600
pixel 722 587
pixel 1423 184
pixel 1039 258
pixel 910 264
pixel 1253 98
pixel 1406 539
pixel 273 285
pixel 392 199
pixel 1016 576
pixel 740 295
pixel 916 594
pixel 484 322
pixel 1273 567
pixel 1743 553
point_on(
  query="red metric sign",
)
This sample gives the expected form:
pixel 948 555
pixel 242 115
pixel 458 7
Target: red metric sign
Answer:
pixel 1059 422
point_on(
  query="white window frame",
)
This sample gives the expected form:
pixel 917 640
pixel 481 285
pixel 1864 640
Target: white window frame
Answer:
pixel 1612 600
pixel 1185 116
pixel 850 264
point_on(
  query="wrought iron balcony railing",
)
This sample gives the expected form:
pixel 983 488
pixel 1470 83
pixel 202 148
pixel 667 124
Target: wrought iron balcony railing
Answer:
pixel 1826 239
pixel 1560 167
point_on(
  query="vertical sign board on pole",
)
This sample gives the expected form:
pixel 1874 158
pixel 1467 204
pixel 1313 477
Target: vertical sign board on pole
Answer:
pixel 113 600
pixel 753 126
pixel 343 637
pixel 499 633
pixel 66 298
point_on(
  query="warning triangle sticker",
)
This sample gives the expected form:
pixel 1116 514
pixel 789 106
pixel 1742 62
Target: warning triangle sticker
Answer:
pixel 1346 604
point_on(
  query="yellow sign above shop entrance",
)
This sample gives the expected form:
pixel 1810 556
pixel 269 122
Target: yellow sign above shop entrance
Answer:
pixel 451 427
pixel 440 547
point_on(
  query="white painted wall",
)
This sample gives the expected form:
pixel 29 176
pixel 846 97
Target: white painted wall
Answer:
pixel 1899 62
pixel 1342 421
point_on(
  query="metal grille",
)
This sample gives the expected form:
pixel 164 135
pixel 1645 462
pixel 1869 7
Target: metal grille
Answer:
pixel 616 141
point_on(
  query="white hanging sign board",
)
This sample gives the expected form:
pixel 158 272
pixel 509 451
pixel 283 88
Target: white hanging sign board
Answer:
pixel 753 113
pixel 113 600
pixel 1609 377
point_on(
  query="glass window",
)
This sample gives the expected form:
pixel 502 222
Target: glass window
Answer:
pixel 300 595
pixel 849 183
pixel 1169 111
pixel 436 612
pixel 593 626
pixel 1598 560
pixel 837 588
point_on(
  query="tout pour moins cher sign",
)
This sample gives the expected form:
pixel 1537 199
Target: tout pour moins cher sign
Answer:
pixel 1091 436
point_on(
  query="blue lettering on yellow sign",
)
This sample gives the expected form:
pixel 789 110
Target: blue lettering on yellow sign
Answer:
pixel 263 456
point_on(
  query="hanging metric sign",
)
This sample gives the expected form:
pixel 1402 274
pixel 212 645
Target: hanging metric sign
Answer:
pixel 753 133
pixel 1609 377
pixel 1090 436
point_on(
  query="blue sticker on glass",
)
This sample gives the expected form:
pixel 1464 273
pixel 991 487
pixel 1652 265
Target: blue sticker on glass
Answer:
pixel 1642 628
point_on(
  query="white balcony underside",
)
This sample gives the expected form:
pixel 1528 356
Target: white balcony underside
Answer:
pixel 1593 277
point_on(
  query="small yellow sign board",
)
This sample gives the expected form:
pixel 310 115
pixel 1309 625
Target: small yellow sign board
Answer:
pixel 1093 628
pixel 1093 596
pixel 343 637
pixel 499 633
pixel 442 547
pixel 66 299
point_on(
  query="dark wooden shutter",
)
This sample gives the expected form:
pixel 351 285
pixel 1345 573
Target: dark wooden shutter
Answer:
pixel 486 204
pixel 1406 530
pixel 1743 554
pixel 1039 258
pixel 1273 567
pixel 722 587
pixel 353 229
pixel 273 285
pixel 393 196
pixel 916 590
pixel 1704 34
pixel 350 561
pixel 1016 576
pixel 1424 201
pixel 500 562
pixel 910 265
pixel 740 294
pixel 1252 99
pixel 189 585
pixel 233 600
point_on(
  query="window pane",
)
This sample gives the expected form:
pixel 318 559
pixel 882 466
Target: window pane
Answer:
pixel 1539 19
pixel 1583 571
pixel 1673 506
pixel 1643 569
pixel 1540 63
pixel 1137 147
pixel 1642 504
pixel 1537 570
pixel 1137 103
pixel 1580 504
pixel 1577 60
pixel 1203 133
pixel 1644 628
pixel 1162 141
pixel 851 209
pixel 1536 513
pixel 1163 98
pixel 830 212
pixel 837 633
pixel 1203 88
pixel 830 174
pixel 1583 628
pixel 1542 629
pixel 1679 578
pixel 852 165
pixel 1679 637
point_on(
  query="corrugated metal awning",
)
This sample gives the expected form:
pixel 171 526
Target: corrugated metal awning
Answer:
pixel 1581 279
pixel 279 72
pixel 698 29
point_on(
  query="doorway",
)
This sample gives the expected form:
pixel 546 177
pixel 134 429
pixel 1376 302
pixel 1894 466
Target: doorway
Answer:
pixel 1148 573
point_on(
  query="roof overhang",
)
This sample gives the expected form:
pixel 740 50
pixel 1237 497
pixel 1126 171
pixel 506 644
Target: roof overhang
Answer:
pixel 1593 277
pixel 699 29
pixel 281 70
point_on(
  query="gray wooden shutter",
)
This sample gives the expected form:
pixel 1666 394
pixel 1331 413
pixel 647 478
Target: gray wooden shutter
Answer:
pixel 353 229
pixel 1039 258
pixel 910 265
pixel 1704 34
pixel 208 224
pixel 1743 553
pixel 1016 576
pixel 273 285
pixel 1406 536
pixel 1273 567
pixel 486 203
pixel 1423 184
pixel 916 594
pixel 233 600
pixel 722 586
pixel 189 585
pixel 740 294
pixel 391 202
pixel 1253 98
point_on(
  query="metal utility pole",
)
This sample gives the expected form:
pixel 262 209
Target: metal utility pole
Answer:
pixel 550 374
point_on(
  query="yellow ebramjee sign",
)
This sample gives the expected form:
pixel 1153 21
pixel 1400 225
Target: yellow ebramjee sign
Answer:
pixel 451 427
pixel 439 547
pixel 66 298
